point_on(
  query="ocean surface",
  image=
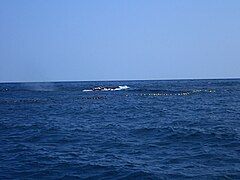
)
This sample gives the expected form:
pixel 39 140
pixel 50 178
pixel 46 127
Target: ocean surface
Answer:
pixel 176 129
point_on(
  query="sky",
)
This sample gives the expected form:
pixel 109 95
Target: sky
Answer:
pixel 89 40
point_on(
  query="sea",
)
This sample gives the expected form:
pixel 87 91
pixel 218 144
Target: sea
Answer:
pixel 166 129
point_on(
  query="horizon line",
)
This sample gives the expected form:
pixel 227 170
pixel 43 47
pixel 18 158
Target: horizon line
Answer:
pixel 105 80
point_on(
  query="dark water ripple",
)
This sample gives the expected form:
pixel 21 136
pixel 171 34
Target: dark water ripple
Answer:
pixel 184 129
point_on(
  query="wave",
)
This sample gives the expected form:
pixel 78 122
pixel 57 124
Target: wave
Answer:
pixel 87 90
pixel 100 88
pixel 22 101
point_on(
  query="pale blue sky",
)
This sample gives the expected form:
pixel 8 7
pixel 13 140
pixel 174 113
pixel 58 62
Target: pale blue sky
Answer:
pixel 54 40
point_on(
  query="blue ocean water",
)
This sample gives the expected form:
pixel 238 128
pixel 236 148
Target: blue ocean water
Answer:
pixel 178 129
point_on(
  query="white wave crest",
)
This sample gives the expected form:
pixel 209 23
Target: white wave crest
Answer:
pixel 117 88
pixel 87 90
pixel 121 88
